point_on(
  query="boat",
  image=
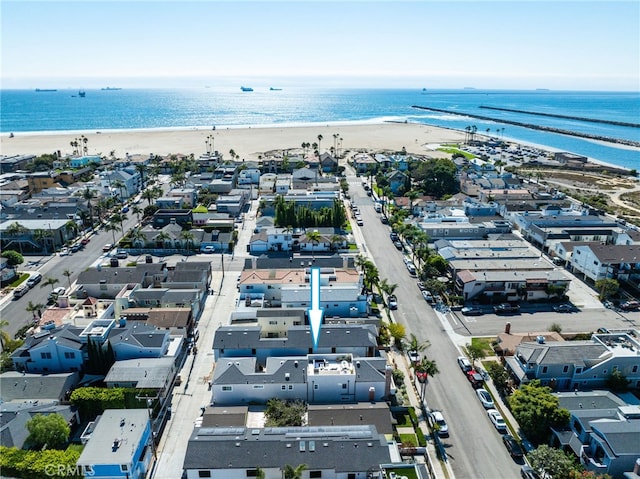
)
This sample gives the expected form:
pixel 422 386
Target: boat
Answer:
pixel 275 89
pixel 110 88
pixel 246 88
pixel 82 93
pixel 44 89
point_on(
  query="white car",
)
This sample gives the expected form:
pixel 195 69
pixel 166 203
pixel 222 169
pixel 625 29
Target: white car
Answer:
pixel 464 364
pixel 497 420
pixel 485 398
pixel 414 356
pixel 64 252
pixel 443 428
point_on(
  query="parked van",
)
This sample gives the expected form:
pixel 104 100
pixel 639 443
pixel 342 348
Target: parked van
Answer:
pixel 377 207
pixel 34 279
pixel 20 291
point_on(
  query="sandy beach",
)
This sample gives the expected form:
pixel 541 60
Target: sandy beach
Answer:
pixel 248 143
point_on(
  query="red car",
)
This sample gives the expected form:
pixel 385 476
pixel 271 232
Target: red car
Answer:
pixel 475 378
pixel 84 241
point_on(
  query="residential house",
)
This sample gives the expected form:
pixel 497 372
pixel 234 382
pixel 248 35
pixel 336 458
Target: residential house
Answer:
pixel 57 350
pixel 264 342
pixel 313 378
pixel 249 176
pixel 376 413
pixel 156 374
pixel 109 282
pixel 82 161
pixel 225 179
pixel 574 365
pixel 138 340
pixel 398 182
pixel 7 273
pixel 40 180
pixel 600 261
pixel 119 445
pixel 457 228
pixel 328 163
pixel 503 284
pixel 168 203
pixel 271 239
pixel 267 183
pixel 233 203
pixel 282 184
pixel 363 162
pixel 14 417
pixel 222 453
pixel 303 179
pixel 14 163
pixel 178 216
pixel 18 387
pixel 601 433
pixel 219 241
pixel 187 197
pixel 178 321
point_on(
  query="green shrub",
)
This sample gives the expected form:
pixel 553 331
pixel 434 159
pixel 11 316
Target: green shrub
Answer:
pixel 422 441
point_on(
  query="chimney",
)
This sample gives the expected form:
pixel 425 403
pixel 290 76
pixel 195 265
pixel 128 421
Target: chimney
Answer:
pixel 388 371
pixel 254 263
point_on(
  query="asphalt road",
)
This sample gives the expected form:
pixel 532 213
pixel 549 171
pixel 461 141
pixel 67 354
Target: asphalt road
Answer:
pixel 13 310
pixel 474 447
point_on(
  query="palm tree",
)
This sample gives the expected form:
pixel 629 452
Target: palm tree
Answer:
pixel 3 334
pixel 188 236
pixel 49 281
pixel 68 274
pixel 137 237
pixel 387 288
pixel 113 228
pixel 119 185
pixel 34 308
pixel 149 195
pixel 416 345
pixel 161 238
pixel 141 167
pixel 336 240
pixel 319 141
pixel 136 210
pixel 290 472
pixel 314 236
pixel 15 229
pixel 426 367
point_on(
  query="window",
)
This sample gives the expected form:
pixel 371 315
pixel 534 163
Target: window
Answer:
pixel 204 473
pixel 315 474
pixel 635 369
pixel 258 386
pixel 290 387
pixel 273 323
pixel 224 388
pixel 544 369
pixel 124 468
pixel 578 370
pixel 565 369
pixel 315 386
pixel 252 472
pixel 283 387
pixel 45 355
pixel 69 355
pixel 344 386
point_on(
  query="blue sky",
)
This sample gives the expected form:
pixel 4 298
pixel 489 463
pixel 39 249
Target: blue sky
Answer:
pixel 568 45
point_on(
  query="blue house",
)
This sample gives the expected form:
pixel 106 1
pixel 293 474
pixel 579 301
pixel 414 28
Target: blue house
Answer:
pixel 117 444
pixel 81 161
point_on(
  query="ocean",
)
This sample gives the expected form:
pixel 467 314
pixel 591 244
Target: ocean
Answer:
pixel 117 109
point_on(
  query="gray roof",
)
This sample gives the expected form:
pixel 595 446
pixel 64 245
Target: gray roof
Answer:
pixel 14 417
pixel 224 416
pixel 99 449
pixel 18 386
pixel 243 370
pixel 578 353
pixel 331 335
pixel 283 262
pixel 620 436
pixel 152 373
pixel 120 275
pixel 318 447
pixel 142 334
pixel 376 413
pixel 578 400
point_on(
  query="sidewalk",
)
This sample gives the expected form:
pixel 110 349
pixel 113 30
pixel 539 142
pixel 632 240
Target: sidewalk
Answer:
pixel 437 468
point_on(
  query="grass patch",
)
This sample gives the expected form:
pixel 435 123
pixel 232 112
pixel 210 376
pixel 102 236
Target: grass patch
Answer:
pixel 408 440
pixel 484 343
pixel 453 151
pixel 410 472
pixel 404 420
pixel 353 247
pixel 75 447
pixel 19 280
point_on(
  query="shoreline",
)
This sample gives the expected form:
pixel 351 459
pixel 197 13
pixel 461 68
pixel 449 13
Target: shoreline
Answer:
pixel 250 141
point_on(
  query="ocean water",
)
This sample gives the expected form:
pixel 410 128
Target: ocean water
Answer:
pixel 101 110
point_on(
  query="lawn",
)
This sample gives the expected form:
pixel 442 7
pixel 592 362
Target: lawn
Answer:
pixel 485 343
pixel 409 440
pixel 453 151
pixel 409 472
pixel 403 420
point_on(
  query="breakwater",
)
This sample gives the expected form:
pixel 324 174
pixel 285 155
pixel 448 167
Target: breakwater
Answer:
pixel 566 117
pixel 608 139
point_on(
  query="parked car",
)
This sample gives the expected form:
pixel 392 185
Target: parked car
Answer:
pixel 359 222
pixel 84 241
pixel 64 252
pixel 20 291
pixel 563 308
pixel 497 420
pixel 485 398
pixel 472 311
pixel 34 279
pixel 125 209
pixel 464 364
pixel 414 356
pixel 393 236
pixel 398 245
pixel 427 296
pixel 475 378
pixel 122 254
pixel 392 301
pixel 412 269
pixel 443 428
pixel 75 248
pixel 53 295
pixel 512 446
pixel 106 248
pixel 506 308
pixel 384 220
pixel 630 305
pixel 208 249
pixel 527 472
pixel 421 286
